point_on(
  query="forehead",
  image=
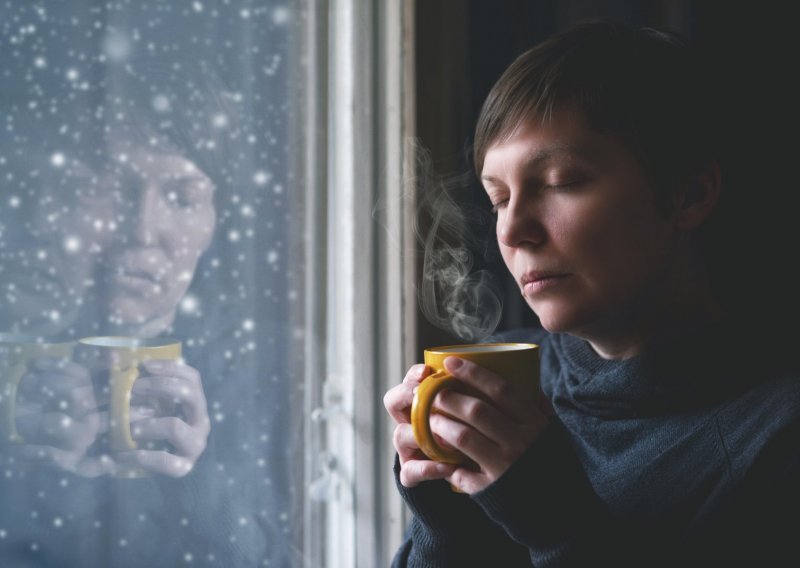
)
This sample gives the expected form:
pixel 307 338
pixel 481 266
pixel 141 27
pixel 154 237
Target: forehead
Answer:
pixel 563 134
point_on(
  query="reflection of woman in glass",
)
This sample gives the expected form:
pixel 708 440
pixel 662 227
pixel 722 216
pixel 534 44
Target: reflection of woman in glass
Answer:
pixel 112 245
pixel 108 235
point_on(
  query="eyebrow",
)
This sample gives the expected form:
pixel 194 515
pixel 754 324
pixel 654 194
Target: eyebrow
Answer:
pixel 541 156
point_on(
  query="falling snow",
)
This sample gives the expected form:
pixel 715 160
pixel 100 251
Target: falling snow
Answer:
pixel 145 154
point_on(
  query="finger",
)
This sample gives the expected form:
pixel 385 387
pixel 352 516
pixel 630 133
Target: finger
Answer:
pixel 416 373
pixel 414 472
pixel 66 366
pixel 479 414
pixel 75 401
pixel 59 430
pixel 63 459
pixel 469 481
pixel 173 368
pixel 397 401
pixel 187 441
pixel 186 394
pixel 160 462
pixel 473 444
pixel 138 412
pixel 490 457
pixel 405 444
pixel 44 379
pixel 513 401
pixel 43 455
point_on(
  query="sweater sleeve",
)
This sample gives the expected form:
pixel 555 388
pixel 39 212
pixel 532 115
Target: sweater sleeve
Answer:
pixel 449 530
pixel 542 512
pixel 546 503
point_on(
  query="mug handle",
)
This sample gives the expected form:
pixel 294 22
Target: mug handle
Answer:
pixel 421 408
pixel 120 426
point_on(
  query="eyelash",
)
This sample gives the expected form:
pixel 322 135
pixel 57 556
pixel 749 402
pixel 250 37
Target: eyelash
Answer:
pixel 495 206
pixel 556 186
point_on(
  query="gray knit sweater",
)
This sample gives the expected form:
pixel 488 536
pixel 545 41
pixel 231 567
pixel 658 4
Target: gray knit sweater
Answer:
pixel 688 455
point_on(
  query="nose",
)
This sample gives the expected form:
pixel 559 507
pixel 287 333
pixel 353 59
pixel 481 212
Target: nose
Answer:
pixel 520 223
pixel 145 216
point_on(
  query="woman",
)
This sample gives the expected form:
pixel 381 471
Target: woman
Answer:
pixel 665 443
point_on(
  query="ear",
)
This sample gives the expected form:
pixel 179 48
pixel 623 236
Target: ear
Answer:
pixel 699 197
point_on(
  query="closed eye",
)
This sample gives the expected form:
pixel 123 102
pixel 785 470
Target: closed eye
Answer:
pixel 567 185
pixel 498 205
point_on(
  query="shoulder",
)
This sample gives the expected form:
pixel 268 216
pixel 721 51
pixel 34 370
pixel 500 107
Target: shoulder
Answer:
pixel 763 424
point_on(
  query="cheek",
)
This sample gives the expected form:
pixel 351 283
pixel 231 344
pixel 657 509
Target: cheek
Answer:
pixel 625 241
pixel 189 237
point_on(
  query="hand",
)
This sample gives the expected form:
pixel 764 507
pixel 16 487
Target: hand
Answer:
pixel 167 405
pixel 58 419
pixel 493 431
pixel 415 467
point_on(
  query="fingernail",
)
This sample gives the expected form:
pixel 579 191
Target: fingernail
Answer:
pixel 444 468
pixel 153 364
pixel 453 363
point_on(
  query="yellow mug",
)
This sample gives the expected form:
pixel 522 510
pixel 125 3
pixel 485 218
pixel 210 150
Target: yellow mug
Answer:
pixel 516 362
pixel 16 350
pixel 116 359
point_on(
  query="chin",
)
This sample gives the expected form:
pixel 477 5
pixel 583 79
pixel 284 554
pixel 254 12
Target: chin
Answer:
pixel 130 313
pixel 555 320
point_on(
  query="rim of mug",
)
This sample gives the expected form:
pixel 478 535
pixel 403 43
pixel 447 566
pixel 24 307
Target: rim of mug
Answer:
pixel 481 347
pixel 127 341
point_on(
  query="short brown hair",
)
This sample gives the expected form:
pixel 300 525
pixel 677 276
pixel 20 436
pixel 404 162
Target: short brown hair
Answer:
pixel 645 86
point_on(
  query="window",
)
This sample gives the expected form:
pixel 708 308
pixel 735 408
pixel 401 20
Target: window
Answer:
pixel 224 176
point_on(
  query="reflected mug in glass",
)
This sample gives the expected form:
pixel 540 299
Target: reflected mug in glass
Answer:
pixel 115 361
pixel 16 351
pixel 517 362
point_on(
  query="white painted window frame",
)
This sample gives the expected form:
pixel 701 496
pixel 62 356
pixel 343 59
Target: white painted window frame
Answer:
pixel 359 250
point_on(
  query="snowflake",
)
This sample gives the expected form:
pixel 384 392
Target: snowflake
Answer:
pixel 189 304
pixel 220 121
pixel 161 103
pixel 72 244
pixel 281 15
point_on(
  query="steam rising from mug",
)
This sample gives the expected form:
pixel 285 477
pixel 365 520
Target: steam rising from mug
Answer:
pixel 452 296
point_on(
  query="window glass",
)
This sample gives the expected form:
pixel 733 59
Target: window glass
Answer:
pixel 151 283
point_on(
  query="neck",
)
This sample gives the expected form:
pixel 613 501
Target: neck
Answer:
pixel 666 311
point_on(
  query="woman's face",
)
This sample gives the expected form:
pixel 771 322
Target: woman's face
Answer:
pixel 577 226
pixel 163 221
pixel 120 242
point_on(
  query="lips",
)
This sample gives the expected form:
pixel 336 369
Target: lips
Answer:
pixel 138 265
pixel 136 277
pixel 133 272
pixel 532 282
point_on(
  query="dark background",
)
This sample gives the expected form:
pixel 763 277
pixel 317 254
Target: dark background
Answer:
pixel 462 46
